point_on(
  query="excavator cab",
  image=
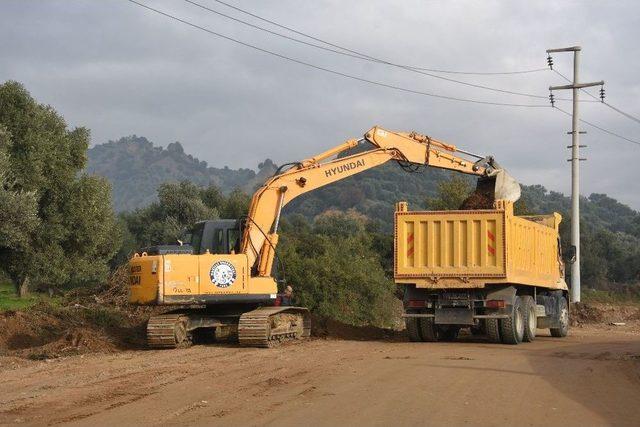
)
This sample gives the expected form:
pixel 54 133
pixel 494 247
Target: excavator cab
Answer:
pixel 220 236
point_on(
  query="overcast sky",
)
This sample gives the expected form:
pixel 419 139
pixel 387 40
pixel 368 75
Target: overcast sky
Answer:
pixel 119 70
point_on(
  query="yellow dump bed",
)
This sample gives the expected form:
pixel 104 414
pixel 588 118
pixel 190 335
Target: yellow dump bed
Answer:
pixel 473 248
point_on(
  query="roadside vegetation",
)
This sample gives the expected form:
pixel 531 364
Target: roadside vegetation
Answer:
pixel 62 246
pixel 11 301
pixel 615 295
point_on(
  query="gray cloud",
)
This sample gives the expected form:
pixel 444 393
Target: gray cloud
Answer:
pixel 118 69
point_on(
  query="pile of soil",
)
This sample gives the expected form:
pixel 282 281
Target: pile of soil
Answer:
pixel 482 197
pixel 88 321
pixel 46 332
pixel 477 200
pixel 590 313
pixel 328 328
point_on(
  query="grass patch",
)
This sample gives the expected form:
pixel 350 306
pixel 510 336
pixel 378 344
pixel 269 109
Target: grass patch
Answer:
pixel 9 300
pixel 628 295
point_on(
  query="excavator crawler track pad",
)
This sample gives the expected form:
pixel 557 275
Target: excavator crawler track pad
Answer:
pixel 168 330
pixel 270 326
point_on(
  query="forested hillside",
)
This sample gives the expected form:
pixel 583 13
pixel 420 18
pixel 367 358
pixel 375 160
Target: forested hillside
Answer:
pixel 136 167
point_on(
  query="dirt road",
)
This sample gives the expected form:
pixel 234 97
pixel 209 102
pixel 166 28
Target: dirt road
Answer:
pixel 590 378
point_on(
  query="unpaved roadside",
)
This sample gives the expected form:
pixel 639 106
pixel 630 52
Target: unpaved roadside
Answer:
pixel 589 378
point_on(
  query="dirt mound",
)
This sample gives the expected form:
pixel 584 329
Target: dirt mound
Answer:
pixel 71 342
pixel 46 331
pixel 477 201
pixel 329 328
pixel 587 313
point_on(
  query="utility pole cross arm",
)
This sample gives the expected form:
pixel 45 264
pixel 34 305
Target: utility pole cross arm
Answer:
pixel 565 49
pixel 577 85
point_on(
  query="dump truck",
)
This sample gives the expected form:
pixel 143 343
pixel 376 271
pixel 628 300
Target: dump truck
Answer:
pixel 222 276
pixel 485 269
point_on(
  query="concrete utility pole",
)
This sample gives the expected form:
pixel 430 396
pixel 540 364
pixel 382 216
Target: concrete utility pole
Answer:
pixel 575 163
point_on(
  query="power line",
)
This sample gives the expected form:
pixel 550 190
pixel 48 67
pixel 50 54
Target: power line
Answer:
pixel 619 111
pixel 331 71
pixel 363 57
pixel 355 52
pixel 600 127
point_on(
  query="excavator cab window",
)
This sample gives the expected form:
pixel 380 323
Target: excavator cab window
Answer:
pixel 216 236
pixel 195 237
pixel 218 242
pixel 233 239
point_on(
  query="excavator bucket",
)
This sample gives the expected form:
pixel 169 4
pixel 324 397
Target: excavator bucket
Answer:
pixel 506 187
pixel 497 186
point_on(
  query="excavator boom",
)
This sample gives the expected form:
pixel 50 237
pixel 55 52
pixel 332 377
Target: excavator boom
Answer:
pixel 260 234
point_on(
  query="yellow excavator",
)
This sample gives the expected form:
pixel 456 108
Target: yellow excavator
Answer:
pixel 222 279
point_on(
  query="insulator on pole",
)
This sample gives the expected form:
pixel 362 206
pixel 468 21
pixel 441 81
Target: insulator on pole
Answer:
pixel 550 62
pixel 602 93
pixel 552 99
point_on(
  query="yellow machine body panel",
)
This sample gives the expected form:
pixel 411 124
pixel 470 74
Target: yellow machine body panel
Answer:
pixel 193 279
pixel 472 248
pixel 145 279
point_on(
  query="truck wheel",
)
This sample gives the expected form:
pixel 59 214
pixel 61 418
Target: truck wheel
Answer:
pixel 448 333
pixel 428 329
pixel 563 330
pixel 530 318
pixel 512 328
pixel 493 330
pixel 413 328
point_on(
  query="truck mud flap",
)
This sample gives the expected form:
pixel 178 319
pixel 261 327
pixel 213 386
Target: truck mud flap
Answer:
pixel 454 316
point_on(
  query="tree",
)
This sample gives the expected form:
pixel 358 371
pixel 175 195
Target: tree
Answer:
pixel 335 271
pixel 179 206
pixel 450 194
pixel 74 232
pixel 236 205
pixel 18 212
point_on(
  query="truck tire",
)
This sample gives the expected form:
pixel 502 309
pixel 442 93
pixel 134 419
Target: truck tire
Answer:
pixel 448 333
pixel 493 330
pixel 563 330
pixel 413 328
pixel 428 329
pixel 530 318
pixel 512 328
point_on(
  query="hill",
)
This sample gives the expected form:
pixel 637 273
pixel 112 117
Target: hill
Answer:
pixel 136 167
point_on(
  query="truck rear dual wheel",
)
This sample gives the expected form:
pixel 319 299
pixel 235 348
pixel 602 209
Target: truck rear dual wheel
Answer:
pixel 428 329
pixel 563 320
pixel 512 328
pixel 421 329
pixel 530 319
pixel 493 330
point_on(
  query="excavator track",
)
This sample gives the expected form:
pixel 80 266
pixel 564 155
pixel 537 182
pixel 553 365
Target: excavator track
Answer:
pixel 168 331
pixel 270 326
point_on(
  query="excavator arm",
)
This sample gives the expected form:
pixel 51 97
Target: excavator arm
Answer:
pixel 260 234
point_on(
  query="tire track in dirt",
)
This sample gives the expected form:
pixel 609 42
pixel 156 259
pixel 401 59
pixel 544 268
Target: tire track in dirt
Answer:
pixel 590 378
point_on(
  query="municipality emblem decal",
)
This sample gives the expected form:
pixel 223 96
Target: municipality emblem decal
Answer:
pixel 223 274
